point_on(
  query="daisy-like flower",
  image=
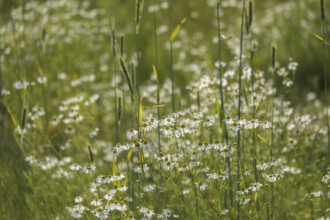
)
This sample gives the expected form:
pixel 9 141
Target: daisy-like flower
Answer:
pixel 201 186
pixel 21 85
pixel 149 188
pixel 266 124
pixel 42 79
pixel 116 206
pixel 101 213
pixel 225 151
pixel 147 213
pixel 78 199
pixel 209 122
pixel 315 194
pixel 75 167
pixel 77 211
pixel 5 92
pixel 326 178
pixel 262 166
pixel 292 66
pixel 245 201
pixel 186 191
pixel 271 178
pixel 167 131
pixel 96 202
pixel 196 115
pixel 132 133
pixel 89 169
pixel 213 176
pixel 195 122
pixel 255 187
pixel 61 76
pixel 224 212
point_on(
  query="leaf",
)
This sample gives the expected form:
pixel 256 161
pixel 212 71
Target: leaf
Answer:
pixel 114 167
pixel 320 38
pixel 140 111
pixel 177 29
pixel 263 140
pixel 156 76
pixel 91 156
pixel 129 154
pixel 141 156
pixel 155 72
pixel 127 77
pixel 255 197
pixel 223 37
pixel 13 119
pixel 23 118
pixel 154 106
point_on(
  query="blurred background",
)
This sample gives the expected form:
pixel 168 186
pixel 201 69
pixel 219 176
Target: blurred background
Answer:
pixel 288 24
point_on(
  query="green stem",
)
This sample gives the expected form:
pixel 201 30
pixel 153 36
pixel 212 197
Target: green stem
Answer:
pixel 171 56
pixel 239 108
pixel 222 112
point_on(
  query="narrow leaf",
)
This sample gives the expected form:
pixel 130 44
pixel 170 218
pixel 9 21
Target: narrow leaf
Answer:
pixel 155 72
pixel 177 29
pixel 13 119
pixel 91 156
pixel 140 111
pixel 23 118
pixel 127 77
pixel 154 106
pixel 320 38
pixel 263 140
pixel 141 156
pixel 129 154
pixel 114 167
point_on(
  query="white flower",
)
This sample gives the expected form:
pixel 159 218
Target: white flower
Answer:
pixel 96 202
pixel 78 199
pixel 89 169
pixel 75 167
pixel 132 133
pixel 5 92
pixel 41 79
pixel 61 76
pixel 213 176
pixel 149 188
pixel 326 179
pixel 292 66
pixel 21 85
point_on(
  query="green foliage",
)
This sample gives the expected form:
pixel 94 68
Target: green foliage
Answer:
pixel 87 129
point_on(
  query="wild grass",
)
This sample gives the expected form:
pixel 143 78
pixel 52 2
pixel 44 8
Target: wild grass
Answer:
pixel 105 116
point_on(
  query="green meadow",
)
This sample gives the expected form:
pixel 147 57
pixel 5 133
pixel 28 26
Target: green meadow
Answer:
pixel 164 109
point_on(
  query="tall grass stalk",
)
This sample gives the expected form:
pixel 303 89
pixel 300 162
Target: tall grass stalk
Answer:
pixel 239 107
pixel 222 111
pixel 156 66
pixel 195 194
pixel 138 17
pixel 171 55
pixel 2 106
pixel 273 129
pixel 116 99
pixel 127 77
pixel 252 50
pixel 324 32
pixel 23 121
